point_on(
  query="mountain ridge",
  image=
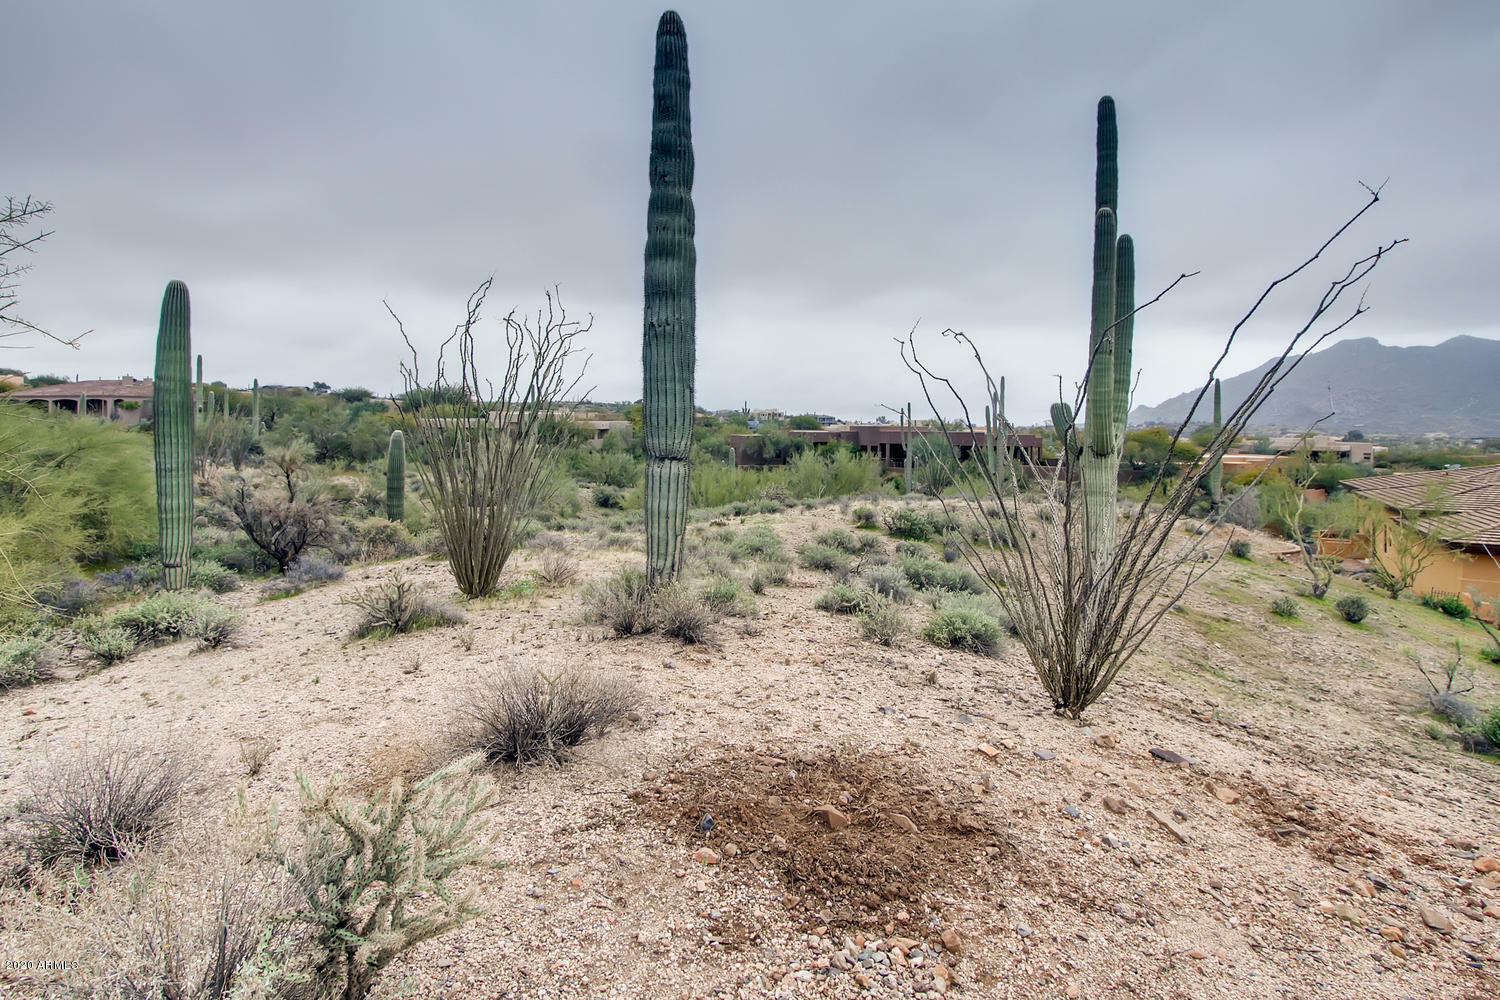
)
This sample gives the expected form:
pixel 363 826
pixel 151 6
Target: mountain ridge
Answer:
pixel 1451 388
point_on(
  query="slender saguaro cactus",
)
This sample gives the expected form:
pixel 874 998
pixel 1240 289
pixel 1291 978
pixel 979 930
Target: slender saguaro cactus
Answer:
pixel 226 401
pixel 211 403
pixel 1216 474
pixel 255 407
pixel 395 478
pixel 172 433
pixel 668 345
pixel 1111 336
pixel 908 460
pixel 200 401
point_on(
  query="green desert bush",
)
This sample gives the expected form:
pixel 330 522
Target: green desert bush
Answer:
pixel 1449 604
pixel 380 540
pixel 908 523
pixel 25 660
pixel 399 605
pixel 1240 548
pixel 1490 727
pixel 930 575
pixel 864 516
pixel 1284 607
pixel 1354 608
pixel 210 575
pixel 160 618
pixel 726 596
pixel 608 498
pixel 822 557
pixel 522 715
pixel 882 622
pixel 889 582
pixel 967 624
pixel 843 599
pixel 110 643
pixel 760 543
pixel 838 538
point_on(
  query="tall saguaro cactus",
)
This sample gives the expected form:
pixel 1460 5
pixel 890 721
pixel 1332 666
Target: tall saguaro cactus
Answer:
pixel 395 478
pixel 1216 474
pixel 668 344
pixel 1111 335
pixel 200 401
pixel 255 407
pixel 172 423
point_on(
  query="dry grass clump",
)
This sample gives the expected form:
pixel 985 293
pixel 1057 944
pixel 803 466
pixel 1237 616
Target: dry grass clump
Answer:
pixel 25 660
pixel 523 715
pixel 683 615
pixel 254 753
pixel 556 569
pixel 622 603
pixel 102 804
pixel 399 605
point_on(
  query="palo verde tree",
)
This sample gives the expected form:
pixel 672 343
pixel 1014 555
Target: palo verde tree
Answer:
pixel 1083 590
pixel 668 339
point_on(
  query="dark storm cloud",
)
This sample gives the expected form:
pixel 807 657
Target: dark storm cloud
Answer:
pixel 859 168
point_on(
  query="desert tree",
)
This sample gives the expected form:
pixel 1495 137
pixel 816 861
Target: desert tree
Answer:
pixel 1402 542
pixel 482 455
pixel 1084 588
pixel 20 232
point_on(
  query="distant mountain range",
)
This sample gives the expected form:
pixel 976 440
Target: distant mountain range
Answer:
pixel 1453 388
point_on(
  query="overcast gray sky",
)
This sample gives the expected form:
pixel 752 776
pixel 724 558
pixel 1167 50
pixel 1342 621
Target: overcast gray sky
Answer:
pixel 861 168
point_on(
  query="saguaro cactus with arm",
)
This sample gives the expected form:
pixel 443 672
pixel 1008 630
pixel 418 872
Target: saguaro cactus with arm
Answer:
pixel 172 433
pixel 668 344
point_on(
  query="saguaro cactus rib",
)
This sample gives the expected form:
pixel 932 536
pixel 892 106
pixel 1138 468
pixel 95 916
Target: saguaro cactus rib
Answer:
pixel 668 336
pixel 172 422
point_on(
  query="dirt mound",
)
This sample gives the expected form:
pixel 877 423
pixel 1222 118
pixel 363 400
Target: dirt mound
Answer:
pixel 856 837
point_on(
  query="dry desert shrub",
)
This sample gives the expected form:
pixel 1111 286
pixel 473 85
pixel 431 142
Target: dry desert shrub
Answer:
pixel 399 605
pixel 622 603
pixel 523 715
pixel 101 804
pixel 557 569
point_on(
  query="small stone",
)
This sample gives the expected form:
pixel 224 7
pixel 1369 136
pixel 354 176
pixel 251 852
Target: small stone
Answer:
pixel 1393 933
pixel 1024 930
pixel 988 750
pixel 1364 888
pixel 1044 755
pixel 904 822
pixel 1486 864
pixel 865 980
pixel 445 963
pixel 1072 810
pixel 731 849
pixel 1109 741
pixel 835 819
pixel 1437 919
pixel 1197 955
pixel 706 823
pixel 633 716
pixel 943 974
pixel 1326 907
pixel 951 940
pixel 1072 991
pixel 1115 804
pixel 705 856
pixel 1170 826
pixel 1170 756
pixel 1226 795
pixel 1396 950
pixel 1349 912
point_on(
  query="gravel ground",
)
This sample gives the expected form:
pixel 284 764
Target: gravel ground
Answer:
pixel 884 822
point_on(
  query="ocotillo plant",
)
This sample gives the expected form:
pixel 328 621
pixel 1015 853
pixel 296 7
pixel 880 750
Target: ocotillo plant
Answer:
pixel 1216 474
pixel 1111 334
pixel 172 433
pixel 200 402
pixel 395 478
pixel 668 344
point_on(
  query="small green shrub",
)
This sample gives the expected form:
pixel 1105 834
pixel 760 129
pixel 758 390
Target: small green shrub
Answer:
pixel 399 605
pixel 775 572
pixel 1354 608
pixel 1284 607
pixel 1490 727
pixel 928 574
pixel 609 498
pixel 25 660
pixel 760 543
pixel 1491 653
pixel 1240 548
pixel 965 625
pixel 212 576
pixel 110 643
pixel 906 522
pixel 838 538
pixel 881 621
pixel 1449 604
pixel 622 603
pixel 822 557
pixel 889 582
pixel 160 618
pixel 723 596
pixel 522 586
pixel 843 599
pixel 864 517
pixel 380 540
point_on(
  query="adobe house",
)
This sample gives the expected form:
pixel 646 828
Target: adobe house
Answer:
pixel 884 441
pixel 1462 508
pixel 125 399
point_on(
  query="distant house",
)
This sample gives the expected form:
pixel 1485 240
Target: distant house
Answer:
pixel 883 441
pixel 1326 448
pixel 1459 506
pixel 125 399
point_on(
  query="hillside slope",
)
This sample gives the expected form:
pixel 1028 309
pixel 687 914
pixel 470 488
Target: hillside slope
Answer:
pixel 1448 388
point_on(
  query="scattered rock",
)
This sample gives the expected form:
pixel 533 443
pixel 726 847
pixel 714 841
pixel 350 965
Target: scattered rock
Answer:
pixel 835 819
pixel 1170 826
pixel 1044 755
pixel 951 940
pixel 1197 954
pixel 1437 919
pixel 1486 864
pixel 1024 930
pixel 1170 756
pixel 904 822
pixel 1393 933
pixel 987 750
pixel 1224 794
pixel 1107 740
pixel 705 856
pixel 1115 804
pixel 731 849
pixel 706 823
pixel 1349 912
